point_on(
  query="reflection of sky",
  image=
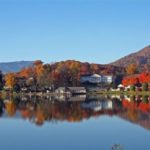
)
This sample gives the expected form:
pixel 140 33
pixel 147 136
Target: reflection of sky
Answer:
pixel 94 134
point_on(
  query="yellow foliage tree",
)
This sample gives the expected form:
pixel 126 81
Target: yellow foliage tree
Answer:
pixel 131 69
pixel 10 80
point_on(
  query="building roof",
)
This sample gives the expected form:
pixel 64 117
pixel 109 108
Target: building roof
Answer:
pixel 61 88
pixel 91 75
pixel 96 75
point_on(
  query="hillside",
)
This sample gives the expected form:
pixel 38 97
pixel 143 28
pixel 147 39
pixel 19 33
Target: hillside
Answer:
pixel 140 58
pixel 14 66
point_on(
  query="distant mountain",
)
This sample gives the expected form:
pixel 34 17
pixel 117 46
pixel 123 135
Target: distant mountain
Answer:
pixel 140 58
pixel 14 66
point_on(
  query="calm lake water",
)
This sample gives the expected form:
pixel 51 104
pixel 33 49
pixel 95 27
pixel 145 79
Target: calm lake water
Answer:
pixel 78 123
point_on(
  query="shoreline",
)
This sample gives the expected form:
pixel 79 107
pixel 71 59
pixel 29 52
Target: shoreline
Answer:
pixel 120 93
pixel 146 93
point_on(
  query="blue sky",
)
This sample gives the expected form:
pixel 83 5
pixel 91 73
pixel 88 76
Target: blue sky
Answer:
pixel 97 31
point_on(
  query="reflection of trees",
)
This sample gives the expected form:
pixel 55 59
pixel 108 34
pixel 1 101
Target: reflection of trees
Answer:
pixel 1 107
pixel 136 112
pixel 39 111
pixel 10 108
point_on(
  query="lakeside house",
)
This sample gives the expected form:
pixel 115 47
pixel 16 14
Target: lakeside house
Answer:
pixel 60 90
pixel 70 90
pixel 121 87
pixel 96 79
pixel 77 90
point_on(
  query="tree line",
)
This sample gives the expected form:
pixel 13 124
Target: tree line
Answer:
pixel 64 73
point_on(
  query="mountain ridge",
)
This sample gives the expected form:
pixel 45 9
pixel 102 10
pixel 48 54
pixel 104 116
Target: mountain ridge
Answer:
pixel 141 58
pixel 15 66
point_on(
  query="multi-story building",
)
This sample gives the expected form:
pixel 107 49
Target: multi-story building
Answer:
pixel 96 78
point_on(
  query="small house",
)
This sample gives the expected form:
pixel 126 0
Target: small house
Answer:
pixel 70 90
pixel 121 87
pixel 77 90
pixel 60 90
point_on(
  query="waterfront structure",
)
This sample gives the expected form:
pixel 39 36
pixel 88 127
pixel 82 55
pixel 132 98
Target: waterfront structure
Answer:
pixel 96 78
pixel 60 90
pixel 71 90
pixel 77 90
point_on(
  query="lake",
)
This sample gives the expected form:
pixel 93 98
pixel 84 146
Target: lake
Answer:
pixel 76 123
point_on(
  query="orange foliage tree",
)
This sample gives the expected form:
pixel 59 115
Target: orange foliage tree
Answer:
pixel 132 80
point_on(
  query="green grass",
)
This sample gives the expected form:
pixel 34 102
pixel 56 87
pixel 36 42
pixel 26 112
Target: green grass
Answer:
pixel 121 92
pixel 147 93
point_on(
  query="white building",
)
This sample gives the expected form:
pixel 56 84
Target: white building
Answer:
pixel 107 79
pixel 96 78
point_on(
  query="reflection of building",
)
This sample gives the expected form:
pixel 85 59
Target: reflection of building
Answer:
pixel 77 98
pixel 127 98
pixel 74 98
pixel 98 105
pixel 60 97
pixel 96 78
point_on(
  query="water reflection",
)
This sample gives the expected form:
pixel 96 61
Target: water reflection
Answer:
pixel 37 110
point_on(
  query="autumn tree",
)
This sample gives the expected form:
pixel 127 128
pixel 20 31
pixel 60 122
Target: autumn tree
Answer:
pixel 45 78
pixel 37 63
pixel 26 72
pixel 37 72
pixel 144 77
pixel 10 80
pixel 131 69
pixel 130 81
pixel 74 73
pixel 38 66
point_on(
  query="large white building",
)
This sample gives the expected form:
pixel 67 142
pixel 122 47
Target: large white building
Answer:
pixel 96 78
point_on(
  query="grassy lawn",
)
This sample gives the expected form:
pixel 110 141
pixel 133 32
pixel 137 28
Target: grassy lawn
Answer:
pixel 121 92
